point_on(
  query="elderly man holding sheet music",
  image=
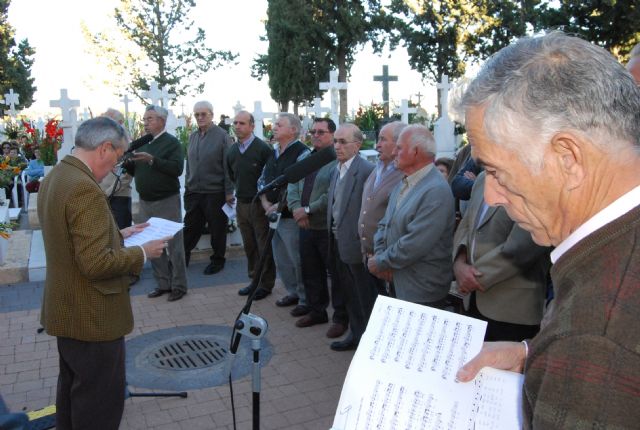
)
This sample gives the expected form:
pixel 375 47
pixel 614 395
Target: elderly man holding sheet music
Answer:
pixel 555 121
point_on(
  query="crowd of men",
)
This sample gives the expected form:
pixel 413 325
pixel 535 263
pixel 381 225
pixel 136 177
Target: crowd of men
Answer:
pixel 566 178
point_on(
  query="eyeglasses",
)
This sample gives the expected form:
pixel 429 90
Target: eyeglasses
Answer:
pixel 318 132
pixel 200 114
pixel 343 142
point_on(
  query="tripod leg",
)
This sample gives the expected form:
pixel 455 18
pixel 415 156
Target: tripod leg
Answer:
pixel 256 383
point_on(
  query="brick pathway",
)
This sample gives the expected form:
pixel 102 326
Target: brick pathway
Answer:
pixel 300 384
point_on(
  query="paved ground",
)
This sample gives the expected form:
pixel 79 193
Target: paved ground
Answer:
pixel 300 384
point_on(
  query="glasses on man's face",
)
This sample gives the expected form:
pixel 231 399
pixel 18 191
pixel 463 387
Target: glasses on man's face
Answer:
pixel 239 123
pixel 200 114
pixel 318 132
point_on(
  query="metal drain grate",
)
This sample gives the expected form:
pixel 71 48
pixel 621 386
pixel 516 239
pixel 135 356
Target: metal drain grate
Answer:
pixel 188 354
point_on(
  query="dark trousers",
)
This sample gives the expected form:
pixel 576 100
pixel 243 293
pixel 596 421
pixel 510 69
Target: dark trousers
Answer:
pixel 314 257
pixel 254 228
pixel 362 293
pixel 121 210
pixel 499 330
pixel 204 209
pixel 91 384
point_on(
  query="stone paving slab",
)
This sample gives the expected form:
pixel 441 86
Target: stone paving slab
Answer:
pixel 301 383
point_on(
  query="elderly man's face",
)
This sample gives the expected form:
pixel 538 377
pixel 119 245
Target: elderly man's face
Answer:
pixel 204 117
pixel 346 147
pixel 282 131
pixel 385 145
pixel 153 123
pixel 531 200
pixel 405 155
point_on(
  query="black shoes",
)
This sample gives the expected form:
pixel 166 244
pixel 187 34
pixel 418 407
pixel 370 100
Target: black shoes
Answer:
pixel 213 268
pixel 344 345
pixel 157 293
pixel 176 295
pixel 287 301
pixel 299 311
pixel 244 291
pixel 260 294
pixel 310 320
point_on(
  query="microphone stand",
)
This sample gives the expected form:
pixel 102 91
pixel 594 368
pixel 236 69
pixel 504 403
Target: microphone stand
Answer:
pixel 253 326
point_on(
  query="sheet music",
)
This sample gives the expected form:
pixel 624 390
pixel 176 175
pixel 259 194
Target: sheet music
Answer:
pixel 158 228
pixel 403 373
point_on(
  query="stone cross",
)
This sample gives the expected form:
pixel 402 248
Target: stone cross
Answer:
pixel 11 99
pixel 65 104
pixel 318 110
pixel 443 90
pixel 404 110
pixel 126 100
pixel 419 95
pixel 85 114
pixel 444 127
pixel 333 86
pixel 181 122
pixel 237 108
pixel 68 127
pixel 259 116
pixel 385 78
pixel 154 94
pixel 166 97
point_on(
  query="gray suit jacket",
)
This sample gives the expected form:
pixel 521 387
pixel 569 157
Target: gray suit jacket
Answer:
pixel 415 240
pixel 317 199
pixel 374 205
pixel 514 269
pixel 347 222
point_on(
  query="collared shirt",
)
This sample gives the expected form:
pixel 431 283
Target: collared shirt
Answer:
pixel 343 167
pixel 615 210
pixel 408 182
pixel 382 171
pixel 244 145
pixel 159 134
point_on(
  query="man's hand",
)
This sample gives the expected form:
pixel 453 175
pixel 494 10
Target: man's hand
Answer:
pixel 143 157
pixel 466 275
pixel 230 199
pixel 136 228
pixel 154 248
pixel 270 208
pixel 373 268
pixel 301 217
pixel 499 355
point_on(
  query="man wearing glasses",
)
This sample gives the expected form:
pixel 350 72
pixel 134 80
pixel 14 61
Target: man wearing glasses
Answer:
pixel 207 187
pixel 307 200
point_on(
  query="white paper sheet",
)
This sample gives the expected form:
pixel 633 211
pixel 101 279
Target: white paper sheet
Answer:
pixel 229 210
pixel 403 373
pixel 158 228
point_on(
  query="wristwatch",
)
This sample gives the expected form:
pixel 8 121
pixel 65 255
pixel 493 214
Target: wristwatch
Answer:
pixel 151 162
pixel 306 210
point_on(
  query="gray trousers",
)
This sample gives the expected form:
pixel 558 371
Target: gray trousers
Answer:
pixel 286 253
pixel 169 270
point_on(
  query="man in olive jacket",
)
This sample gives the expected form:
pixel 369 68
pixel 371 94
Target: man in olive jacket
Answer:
pixel 86 296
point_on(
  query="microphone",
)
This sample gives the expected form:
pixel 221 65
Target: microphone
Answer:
pixel 135 144
pixel 297 171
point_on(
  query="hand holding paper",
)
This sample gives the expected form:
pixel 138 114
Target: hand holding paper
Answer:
pixel 157 229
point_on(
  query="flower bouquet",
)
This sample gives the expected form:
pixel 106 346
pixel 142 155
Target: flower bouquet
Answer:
pixel 49 141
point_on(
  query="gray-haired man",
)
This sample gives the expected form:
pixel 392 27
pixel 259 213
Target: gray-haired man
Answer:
pixel 158 165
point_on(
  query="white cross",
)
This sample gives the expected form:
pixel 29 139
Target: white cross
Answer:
pixel 444 86
pixel 86 114
pixel 181 122
pixel 68 126
pixel 258 117
pixel 237 108
pixel 166 97
pixel 404 110
pixel 318 110
pixel 11 99
pixel 334 86
pixel 126 100
pixel 154 94
pixel 64 103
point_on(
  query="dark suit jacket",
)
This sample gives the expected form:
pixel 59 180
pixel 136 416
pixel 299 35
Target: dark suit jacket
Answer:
pixel 415 239
pixel 86 294
pixel 374 205
pixel 514 269
pixel 347 223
